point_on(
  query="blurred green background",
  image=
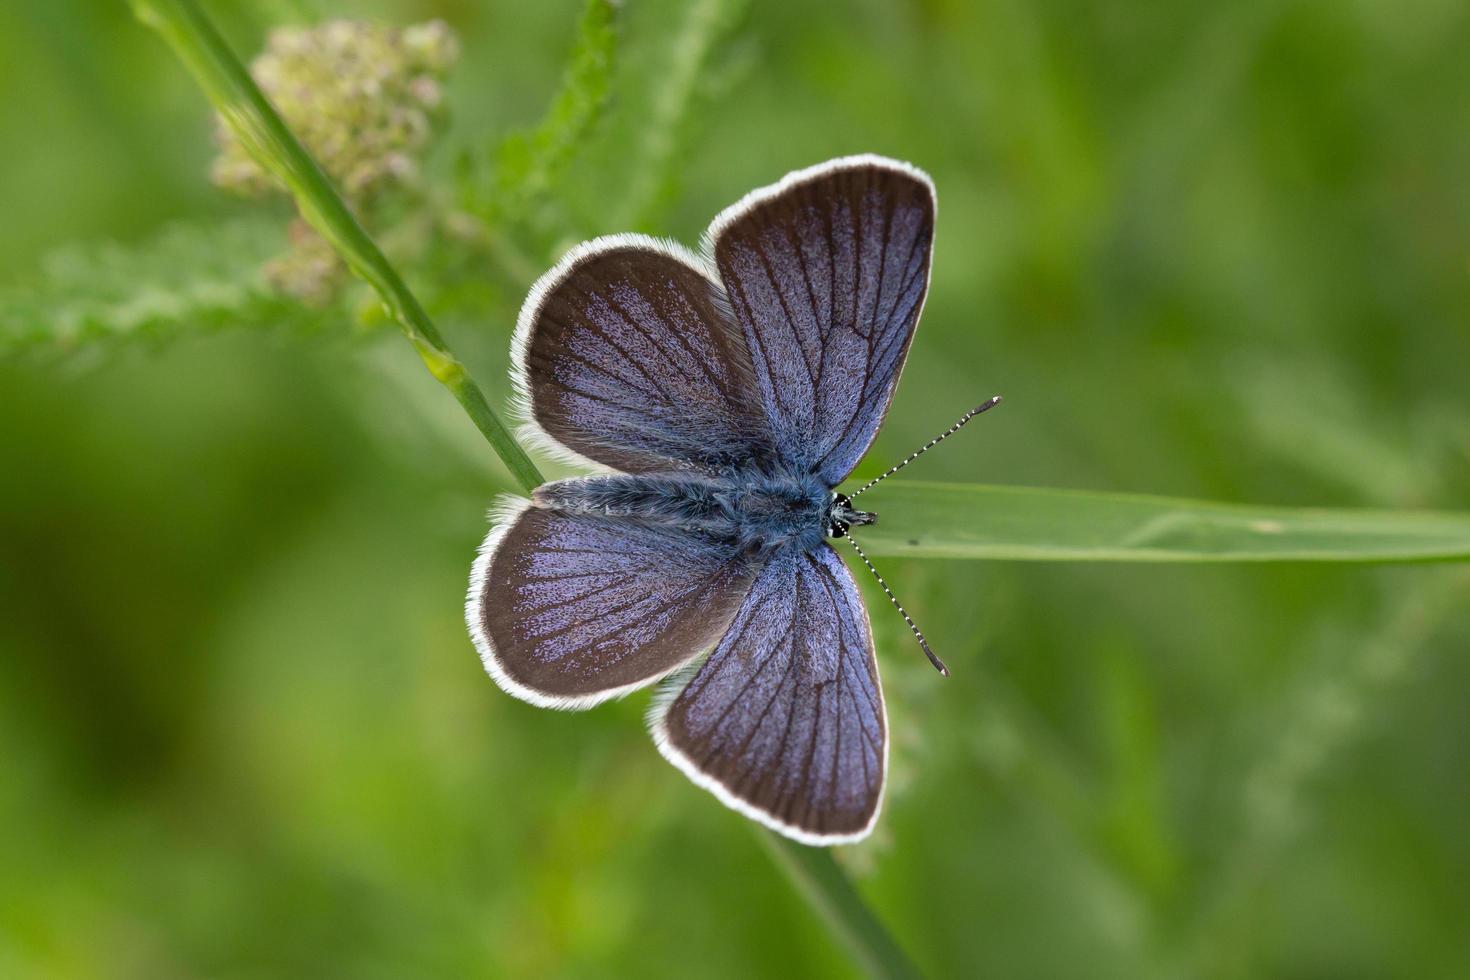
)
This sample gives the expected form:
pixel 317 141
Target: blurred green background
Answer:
pixel 1204 249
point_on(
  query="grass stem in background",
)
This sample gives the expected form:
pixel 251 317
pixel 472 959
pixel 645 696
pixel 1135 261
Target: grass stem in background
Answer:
pixel 824 885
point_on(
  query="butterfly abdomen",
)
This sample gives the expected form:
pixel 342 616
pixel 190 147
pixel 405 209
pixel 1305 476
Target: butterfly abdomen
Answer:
pixel 758 512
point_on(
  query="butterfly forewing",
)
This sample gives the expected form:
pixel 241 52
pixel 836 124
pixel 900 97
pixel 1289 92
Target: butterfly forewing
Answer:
pixel 785 720
pixel 826 274
pixel 628 357
pixel 569 610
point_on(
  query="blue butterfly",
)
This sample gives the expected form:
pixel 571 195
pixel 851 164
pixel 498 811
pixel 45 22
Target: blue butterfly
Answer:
pixel 724 397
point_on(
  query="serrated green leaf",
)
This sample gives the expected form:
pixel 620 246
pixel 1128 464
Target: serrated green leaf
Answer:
pixel 187 279
pixel 677 98
pixel 660 97
pixel 950 520
pixel 530 163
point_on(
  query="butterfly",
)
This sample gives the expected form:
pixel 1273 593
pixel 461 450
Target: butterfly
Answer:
pixel 723 397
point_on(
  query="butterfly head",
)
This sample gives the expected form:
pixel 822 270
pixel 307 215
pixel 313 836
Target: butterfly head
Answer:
pixel 841 516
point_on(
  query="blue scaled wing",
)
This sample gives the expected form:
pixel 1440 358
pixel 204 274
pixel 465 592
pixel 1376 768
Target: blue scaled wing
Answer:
pixel 570 610
pixel 626 355
pixel 785 720
pixel 826 273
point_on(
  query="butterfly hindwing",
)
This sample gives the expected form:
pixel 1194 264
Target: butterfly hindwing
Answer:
pixel 826 273
pixel 785 720
pixel 626 355
pixel 568 610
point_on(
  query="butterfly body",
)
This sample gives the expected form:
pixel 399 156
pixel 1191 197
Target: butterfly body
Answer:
pixel 730 393
pixel 755 513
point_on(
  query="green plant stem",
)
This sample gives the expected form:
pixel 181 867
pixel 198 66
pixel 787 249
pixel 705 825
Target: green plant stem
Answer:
pixel 261 131
pixel 823 884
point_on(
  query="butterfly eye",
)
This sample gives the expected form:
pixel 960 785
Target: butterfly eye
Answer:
pixel 841 516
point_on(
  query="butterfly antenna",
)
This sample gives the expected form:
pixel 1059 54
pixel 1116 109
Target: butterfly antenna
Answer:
pixel 918 633
pixel 925 448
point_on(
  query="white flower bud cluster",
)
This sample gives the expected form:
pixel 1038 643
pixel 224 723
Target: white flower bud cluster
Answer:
pixel 361 97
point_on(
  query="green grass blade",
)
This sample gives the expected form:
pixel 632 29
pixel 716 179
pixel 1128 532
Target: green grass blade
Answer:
pixel 950 520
